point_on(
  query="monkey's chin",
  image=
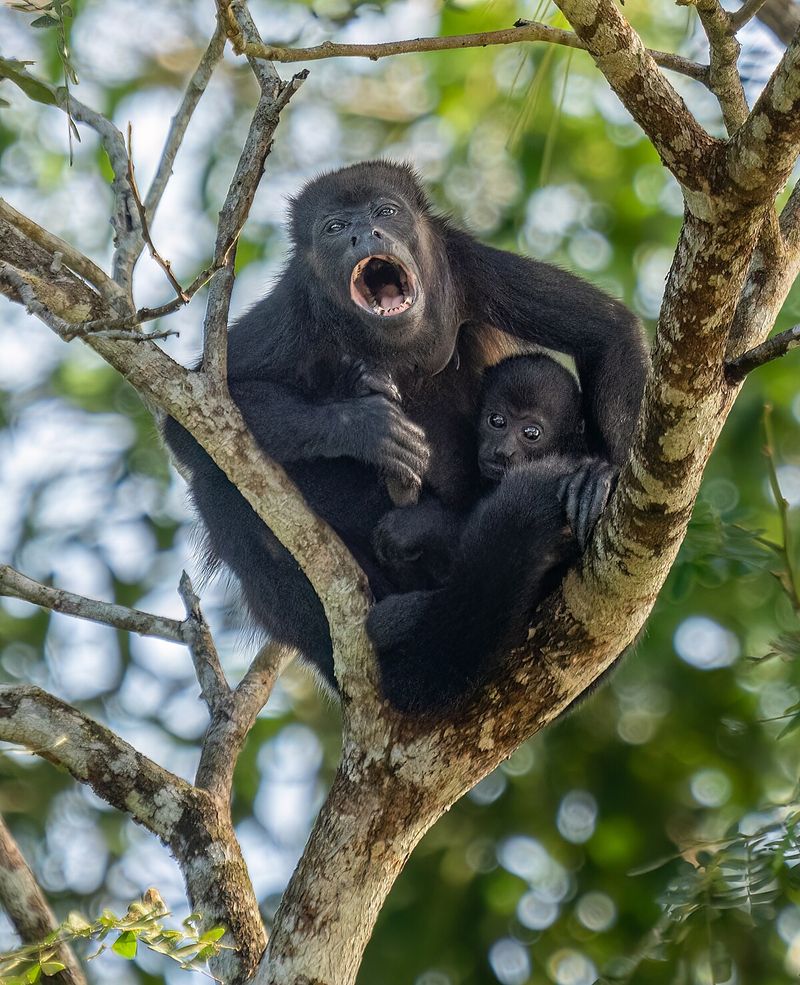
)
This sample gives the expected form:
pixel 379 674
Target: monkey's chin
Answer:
pixel 383 286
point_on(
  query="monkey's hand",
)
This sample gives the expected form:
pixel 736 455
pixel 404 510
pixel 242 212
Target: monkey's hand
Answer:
pixel 400 537
pixel 375 430
pixel 584 494
pixel 357 380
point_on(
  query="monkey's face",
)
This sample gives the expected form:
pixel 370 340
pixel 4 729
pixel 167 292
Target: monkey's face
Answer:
pixel 365 254
pixel 365 237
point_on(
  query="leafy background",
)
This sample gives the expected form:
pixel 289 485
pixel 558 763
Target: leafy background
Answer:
pixel 548 872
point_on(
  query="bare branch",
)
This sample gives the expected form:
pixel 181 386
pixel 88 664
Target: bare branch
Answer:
pixel 231 219
pixel 22 899
pixel 683 145
pixel 93 754
pixel 232 720
pixel 773 348
pixel 180 121
pixel 524 31
pixel 782 17
pixel 73 258
pixel 197 635
pixel 165 265
pixel 16 585
pixel 242 30
pixel 723 76
pixel 760 156
pixel 275 96
pixel 127 229
pixel 738 18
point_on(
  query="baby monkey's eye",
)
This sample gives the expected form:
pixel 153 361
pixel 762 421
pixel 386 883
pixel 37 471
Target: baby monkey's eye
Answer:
pixel 335 226
pixel 532 432
pixel 387 210
pixel 496 421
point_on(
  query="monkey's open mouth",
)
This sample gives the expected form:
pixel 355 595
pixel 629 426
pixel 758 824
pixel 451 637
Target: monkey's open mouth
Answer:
pixel 382 285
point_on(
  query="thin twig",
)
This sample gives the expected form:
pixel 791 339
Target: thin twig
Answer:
pixel 23 900
pixel 232 217
pixel 738 18
pixel 787 577
pixel 525 31
pixel 180 121
pixel 236 14
pixel 196 634
pixel 773 348
pixel 165 265
pixel 120 329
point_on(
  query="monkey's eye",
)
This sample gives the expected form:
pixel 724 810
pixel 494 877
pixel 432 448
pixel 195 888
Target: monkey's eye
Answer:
pixel 334 227
pixel 387 210
pixel 532 432
pixel 496 421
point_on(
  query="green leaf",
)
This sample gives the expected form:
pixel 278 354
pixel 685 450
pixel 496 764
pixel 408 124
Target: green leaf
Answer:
pixel 15 71
pixel 213 935
pixel 44 22
pixel 125 945
pixel 33 974
pixel 52 967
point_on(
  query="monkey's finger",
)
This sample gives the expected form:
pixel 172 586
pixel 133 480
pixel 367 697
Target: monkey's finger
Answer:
pixel 575 493
pixel 382 384
pixel 403 493
pixel 592 505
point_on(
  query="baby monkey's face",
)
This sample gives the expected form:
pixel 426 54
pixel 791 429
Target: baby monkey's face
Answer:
pixel 509 436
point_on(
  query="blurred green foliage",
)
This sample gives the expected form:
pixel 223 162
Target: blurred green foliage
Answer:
pixel 547 872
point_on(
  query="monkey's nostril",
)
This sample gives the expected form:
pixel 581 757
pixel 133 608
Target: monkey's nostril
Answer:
pixel 377 234
pixel 353 240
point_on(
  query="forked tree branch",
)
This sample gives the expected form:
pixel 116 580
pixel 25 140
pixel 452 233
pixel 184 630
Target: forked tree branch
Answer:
pixel 23 900
pixel 682 143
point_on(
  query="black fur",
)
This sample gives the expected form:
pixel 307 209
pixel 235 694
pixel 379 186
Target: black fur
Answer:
pixel 285 356
pixel 416 545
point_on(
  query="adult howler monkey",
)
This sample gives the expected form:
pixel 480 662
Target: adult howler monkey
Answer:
pixel 375 275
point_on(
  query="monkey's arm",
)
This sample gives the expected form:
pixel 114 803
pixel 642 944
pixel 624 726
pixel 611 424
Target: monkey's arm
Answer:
pixel 436 646
pixel 415 545
pixel 291 428
pixel 554 308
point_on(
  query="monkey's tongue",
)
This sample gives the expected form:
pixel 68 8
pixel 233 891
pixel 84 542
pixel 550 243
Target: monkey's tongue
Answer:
pixel 389 298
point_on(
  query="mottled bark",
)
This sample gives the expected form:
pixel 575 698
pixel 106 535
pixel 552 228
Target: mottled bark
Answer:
pixel 733 267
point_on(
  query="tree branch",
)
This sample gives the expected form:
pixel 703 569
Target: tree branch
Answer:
pixel 195 632
pixel 94 755
pixel 524 31
pixel 782 17
pixel 773 348
pixel 180 121
pixel 749 9
pixel 682 144
pixel 234 716
pixel 22 899
pixel 723 75
pixel 13 583
pixel 759 157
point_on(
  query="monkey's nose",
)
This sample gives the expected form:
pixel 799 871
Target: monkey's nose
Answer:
pixel 377 234
pixel 502 456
